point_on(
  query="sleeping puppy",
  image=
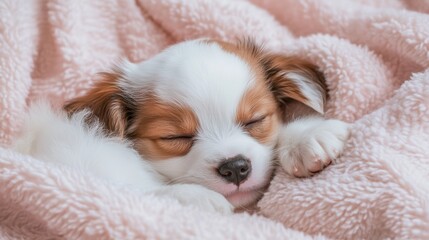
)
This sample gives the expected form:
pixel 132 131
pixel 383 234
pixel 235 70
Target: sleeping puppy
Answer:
pixel 204 122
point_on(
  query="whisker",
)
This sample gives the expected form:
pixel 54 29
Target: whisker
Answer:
pixel 182 179
pixel 178 179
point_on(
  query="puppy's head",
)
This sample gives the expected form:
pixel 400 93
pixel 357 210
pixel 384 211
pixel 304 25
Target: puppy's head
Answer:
pixel 206 112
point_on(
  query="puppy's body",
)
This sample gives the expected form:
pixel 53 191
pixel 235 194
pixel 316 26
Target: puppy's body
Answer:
pixel 201 112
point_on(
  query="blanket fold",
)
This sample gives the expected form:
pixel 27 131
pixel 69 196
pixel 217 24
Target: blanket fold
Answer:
pixel 374 54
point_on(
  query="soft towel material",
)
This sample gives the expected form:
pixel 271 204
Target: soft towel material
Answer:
pixel 374 54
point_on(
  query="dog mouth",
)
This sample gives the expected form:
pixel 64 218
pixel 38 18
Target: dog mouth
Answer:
pixel 243 191
pixel 245 197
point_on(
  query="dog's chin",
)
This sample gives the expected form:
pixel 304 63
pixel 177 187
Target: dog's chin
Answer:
pixel 243 198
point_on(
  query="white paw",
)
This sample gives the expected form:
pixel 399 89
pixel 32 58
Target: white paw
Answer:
pixel 307 146
pixel 196 195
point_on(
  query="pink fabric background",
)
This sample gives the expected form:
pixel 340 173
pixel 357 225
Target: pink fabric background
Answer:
pixel 375 55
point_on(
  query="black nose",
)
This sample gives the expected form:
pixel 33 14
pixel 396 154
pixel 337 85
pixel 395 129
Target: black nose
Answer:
pixel 235 170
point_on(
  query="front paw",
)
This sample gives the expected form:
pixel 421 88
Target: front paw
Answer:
pixel 309 145
pixel 196 195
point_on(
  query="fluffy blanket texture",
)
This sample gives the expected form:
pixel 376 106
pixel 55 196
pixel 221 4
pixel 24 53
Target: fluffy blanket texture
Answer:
pixel 374 54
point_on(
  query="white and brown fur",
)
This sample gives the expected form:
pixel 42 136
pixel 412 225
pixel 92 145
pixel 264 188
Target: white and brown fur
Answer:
pixel 196 105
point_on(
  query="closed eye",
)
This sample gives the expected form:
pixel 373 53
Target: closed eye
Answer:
pixel 178 137
pixel 254 121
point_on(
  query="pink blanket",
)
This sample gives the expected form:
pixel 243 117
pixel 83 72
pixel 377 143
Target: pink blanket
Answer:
pixel 374 54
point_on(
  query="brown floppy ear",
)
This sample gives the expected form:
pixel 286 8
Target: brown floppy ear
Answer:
pixel 291 78
pixel 107 102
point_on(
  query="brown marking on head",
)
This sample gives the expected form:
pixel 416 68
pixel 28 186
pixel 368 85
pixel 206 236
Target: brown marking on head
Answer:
pixel 163 130
pixel 257 112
